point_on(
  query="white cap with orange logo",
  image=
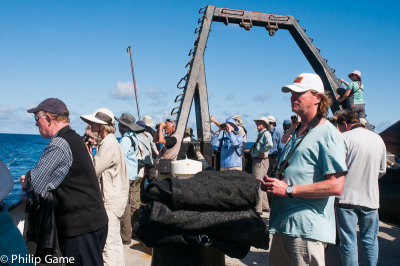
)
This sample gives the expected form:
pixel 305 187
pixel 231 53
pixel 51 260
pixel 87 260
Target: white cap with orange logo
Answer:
pixel 305 82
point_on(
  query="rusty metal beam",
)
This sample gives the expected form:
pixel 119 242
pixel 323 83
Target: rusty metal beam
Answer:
pixel 195 88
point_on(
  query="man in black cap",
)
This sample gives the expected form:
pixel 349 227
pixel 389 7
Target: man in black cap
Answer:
pixel 65 170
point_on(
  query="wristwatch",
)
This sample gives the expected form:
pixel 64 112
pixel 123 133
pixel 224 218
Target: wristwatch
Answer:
pixel 289 191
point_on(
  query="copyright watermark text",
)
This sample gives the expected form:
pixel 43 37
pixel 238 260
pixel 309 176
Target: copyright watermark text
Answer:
pixel 21 259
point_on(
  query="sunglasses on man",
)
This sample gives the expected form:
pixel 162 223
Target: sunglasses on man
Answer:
pixel 37 117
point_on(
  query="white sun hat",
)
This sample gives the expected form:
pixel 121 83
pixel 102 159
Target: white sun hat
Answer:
pixel 271 119
pixel 102 116
pixel 148 121
pixel 262 119
pixel 6 181
pixel 305 82
pixel 355 72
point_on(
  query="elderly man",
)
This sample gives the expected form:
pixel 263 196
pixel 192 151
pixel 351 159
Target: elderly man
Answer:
pixel 366 161
pixel 259 154
pixel 111 170
pixel 312 172
pixel 66 170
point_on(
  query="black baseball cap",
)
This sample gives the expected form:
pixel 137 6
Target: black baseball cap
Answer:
pixel 52 105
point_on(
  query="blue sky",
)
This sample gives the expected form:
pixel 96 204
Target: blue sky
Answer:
pixel 76 51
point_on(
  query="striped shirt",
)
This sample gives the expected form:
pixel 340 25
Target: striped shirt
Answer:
pixel 53 166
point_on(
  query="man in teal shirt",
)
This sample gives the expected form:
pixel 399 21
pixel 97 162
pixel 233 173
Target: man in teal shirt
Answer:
pixel 302 216
pixel 259 153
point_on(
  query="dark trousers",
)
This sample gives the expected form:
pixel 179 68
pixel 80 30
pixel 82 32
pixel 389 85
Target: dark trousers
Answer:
pixel 87 249
pixel 131 214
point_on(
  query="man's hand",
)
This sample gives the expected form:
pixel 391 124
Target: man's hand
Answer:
pixel 162 125
pixel 212 119
pixel 295 121
pixel 274 186
pixel 261 155
pixel 22 181
pixel 341 80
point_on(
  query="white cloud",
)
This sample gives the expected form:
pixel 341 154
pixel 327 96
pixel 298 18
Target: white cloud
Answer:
pixel 154 91
pixel 124 90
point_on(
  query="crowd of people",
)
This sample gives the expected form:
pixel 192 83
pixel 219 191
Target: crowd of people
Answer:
pixel 91 186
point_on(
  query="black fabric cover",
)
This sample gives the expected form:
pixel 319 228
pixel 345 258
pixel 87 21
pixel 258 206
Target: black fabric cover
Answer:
pixel 210 209
pixel 159 225
pixel 206 191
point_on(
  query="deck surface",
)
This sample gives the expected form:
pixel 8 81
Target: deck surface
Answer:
pixel 389 251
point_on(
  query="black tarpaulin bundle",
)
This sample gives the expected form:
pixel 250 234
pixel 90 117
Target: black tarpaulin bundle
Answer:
pixel 210 209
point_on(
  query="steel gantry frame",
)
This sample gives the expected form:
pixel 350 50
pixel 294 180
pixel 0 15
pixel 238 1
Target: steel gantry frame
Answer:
pixel 194 84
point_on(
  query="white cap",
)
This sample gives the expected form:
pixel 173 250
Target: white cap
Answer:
pixel 356 72
pixel 271 119
pixel 148 121
pixel 305 82
pixel 102 116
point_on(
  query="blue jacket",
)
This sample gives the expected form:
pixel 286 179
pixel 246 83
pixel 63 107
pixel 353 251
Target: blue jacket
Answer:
pixel 129 151
pixel 231 148
pixel 276 141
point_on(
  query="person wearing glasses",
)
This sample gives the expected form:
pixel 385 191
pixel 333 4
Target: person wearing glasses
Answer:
pixel 66 173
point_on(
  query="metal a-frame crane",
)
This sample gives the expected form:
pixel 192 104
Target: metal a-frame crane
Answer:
pixel 194 84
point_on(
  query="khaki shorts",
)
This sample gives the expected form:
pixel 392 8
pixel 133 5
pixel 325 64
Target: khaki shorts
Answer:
pixel 287 250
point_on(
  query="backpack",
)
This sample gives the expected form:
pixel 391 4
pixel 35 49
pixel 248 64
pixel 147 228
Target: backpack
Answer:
pixel 139 152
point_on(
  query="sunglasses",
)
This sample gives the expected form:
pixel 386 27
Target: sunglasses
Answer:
pixel 37 117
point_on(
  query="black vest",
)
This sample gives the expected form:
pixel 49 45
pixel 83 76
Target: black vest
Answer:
pixel 79 206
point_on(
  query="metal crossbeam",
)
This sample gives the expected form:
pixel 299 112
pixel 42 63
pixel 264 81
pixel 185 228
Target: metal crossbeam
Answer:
pixel 195 88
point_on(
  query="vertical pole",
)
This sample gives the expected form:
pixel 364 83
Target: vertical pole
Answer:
pixel 134 81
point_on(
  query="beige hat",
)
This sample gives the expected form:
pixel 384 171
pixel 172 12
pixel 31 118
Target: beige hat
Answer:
pixel 239 120
pixel 262 119
pixel 363 121
pixel 6 181
pixel 271 119
pixel 189 131
pixel 305 82
pixel 102 116
pixel 355 72
pixel 148 121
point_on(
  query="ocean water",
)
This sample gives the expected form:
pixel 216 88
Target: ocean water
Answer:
pixel 20 153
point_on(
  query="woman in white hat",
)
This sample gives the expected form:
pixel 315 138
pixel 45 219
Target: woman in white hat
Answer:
pixel 111 170
pixel 354 94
